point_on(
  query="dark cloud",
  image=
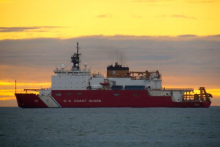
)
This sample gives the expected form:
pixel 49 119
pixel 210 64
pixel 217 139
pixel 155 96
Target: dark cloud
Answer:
pixel 186 56
pixel 183 16
pixel 176 16
pixel 188 35
pixel 23 29
pixel 215 36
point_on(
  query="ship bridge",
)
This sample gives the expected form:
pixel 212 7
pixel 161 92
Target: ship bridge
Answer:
pixel 63 71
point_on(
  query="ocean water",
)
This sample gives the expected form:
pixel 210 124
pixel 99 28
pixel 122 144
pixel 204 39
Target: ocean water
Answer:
pixel 110 127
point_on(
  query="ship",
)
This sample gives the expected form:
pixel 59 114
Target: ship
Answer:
pixel 79 88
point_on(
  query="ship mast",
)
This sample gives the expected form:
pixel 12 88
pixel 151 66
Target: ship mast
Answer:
pixel 75 59
pixel 15 86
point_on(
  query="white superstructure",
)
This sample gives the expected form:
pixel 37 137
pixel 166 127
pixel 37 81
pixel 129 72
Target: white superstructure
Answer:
pixel 117 77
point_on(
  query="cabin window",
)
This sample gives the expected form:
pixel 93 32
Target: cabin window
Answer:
pixel 116 94
pixel 135 94
pixel 58 94
pixel 68 93
pixel 113 72
pixel 78 93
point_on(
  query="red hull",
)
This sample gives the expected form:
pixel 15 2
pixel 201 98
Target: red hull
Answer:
pixel 105 98
pixel 29 101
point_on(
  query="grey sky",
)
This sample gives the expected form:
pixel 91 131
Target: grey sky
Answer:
pixel 186 56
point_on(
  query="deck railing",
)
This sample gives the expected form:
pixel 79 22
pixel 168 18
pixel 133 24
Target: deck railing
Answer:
pixel 178 89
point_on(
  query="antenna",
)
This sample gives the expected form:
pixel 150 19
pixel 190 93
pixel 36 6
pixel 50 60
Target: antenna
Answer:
pixel 15 86
pixel 121 58
pixel 100 69
pixel 117 55
pixel 77 47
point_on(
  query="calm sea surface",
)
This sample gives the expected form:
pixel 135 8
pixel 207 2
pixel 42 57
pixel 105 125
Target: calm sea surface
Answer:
pixel 109 127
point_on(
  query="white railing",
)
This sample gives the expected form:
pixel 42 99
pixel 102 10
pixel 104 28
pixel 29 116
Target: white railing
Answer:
pixel 178 89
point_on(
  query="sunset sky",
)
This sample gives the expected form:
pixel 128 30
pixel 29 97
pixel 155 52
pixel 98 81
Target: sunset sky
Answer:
pixel 180 38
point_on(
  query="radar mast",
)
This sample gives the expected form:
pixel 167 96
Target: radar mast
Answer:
pixel 75 59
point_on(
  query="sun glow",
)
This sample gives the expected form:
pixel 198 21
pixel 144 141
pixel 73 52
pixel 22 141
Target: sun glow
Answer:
pixel 7 89
pixel 3 83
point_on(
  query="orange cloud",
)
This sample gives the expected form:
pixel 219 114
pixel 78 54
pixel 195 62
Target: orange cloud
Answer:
pixel 23 29
pixel 3 83
pixel 6 99
pixel 7 89
pixel 183 16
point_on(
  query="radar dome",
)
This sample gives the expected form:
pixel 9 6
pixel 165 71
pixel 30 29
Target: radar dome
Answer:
pixel 62 66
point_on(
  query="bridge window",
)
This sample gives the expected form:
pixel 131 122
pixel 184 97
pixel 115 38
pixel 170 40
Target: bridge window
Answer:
pixel 78 93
